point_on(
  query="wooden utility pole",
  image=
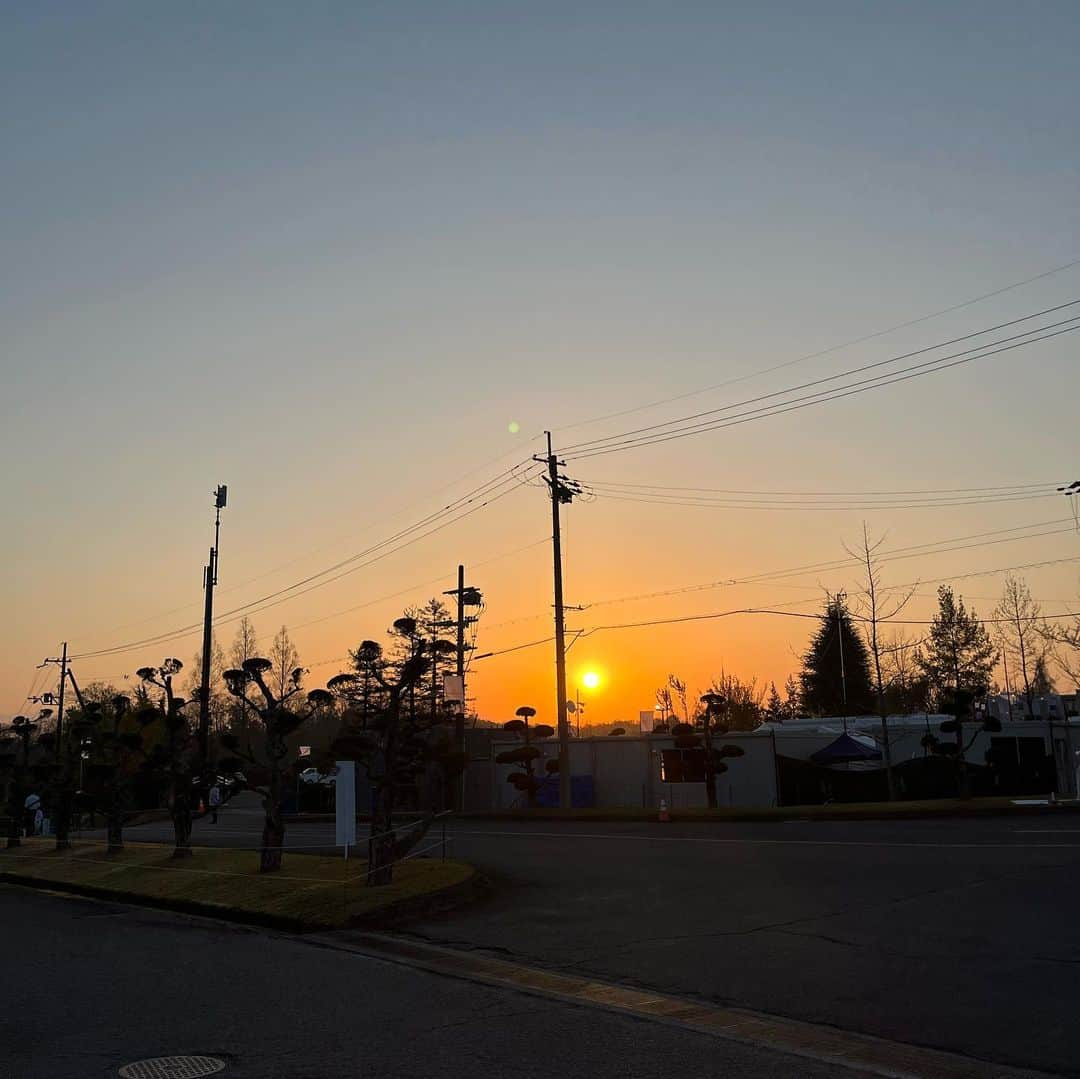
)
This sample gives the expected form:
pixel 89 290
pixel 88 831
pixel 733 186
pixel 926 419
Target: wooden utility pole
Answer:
pixel 560 492
pixel 60 700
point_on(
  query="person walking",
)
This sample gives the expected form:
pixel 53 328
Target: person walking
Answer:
pixel 215 802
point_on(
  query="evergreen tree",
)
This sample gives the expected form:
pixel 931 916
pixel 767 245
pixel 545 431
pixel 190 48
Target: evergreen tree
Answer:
pixel 774 707
pixel 835 678
pixel 792 698
pixel 959 654
pixel 1042 684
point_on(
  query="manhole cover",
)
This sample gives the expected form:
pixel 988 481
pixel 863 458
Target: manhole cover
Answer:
pixel 172 1068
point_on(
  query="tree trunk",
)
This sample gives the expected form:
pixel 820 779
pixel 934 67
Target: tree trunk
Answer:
pixel 15 818
pixel 962 782
pixel 63 817
pixel 115 826
pixel 273 834
pixel 886 750
pixel 710 788
pixel 180 811
pixel 381 845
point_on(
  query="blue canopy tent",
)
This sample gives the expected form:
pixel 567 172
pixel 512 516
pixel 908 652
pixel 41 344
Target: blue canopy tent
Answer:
pixel 846 750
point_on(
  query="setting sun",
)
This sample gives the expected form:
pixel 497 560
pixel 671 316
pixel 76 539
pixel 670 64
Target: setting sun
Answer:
pixel 590 679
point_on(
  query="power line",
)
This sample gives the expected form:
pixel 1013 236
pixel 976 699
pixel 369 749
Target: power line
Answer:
pixel 910 551
pixel 775 609
pixel 825 351
pixel 490 492
pixel 829 494
pixel 658 433
pixel 422 584
pixel 803 507
pixel 284 565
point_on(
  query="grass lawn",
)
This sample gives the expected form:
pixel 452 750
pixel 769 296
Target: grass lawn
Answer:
pixel 311 890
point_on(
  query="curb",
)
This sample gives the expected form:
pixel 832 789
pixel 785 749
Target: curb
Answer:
pixel 867 1054
pixel 767 816
pixel 393 914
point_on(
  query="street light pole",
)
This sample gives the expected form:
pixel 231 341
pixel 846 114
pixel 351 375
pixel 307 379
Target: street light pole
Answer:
pixel 209 580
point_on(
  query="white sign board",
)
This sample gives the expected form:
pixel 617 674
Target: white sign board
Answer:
pixel 453 688
pixel 646 720
pixel 345 804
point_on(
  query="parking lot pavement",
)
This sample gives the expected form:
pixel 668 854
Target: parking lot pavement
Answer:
pixel 101 985
pixel 918 930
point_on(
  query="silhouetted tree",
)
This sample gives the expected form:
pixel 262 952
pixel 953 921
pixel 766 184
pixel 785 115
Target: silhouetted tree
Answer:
pixel 959 654
pixel 174 757
pixel 743 708
pixel 1063 639
pixel 774 706
pixel 1017 628
pixel 710 723
pixel 284 659
pixel 527 754
pixel 279 718
pixel 15 767
pixel 393 739
pixel 1042 684
pixel 879 605
pixel 907 689
pixel 964 707
pixel 792 698
pixel 678 687
pixel 835 678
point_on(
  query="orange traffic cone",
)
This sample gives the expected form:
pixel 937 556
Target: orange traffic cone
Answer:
pixel 202 808
pixel 664 814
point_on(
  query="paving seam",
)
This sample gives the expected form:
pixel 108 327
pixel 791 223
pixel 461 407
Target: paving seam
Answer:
pixel 859 1052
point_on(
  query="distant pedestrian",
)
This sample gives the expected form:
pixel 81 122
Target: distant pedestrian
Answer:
pixel 215 802
pixel 31 810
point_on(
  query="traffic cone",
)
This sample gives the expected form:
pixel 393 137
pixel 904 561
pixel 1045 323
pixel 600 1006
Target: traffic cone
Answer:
pixel 202 808
pixel 664 814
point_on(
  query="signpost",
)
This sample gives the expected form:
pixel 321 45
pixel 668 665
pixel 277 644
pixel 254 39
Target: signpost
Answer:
pixel 345 805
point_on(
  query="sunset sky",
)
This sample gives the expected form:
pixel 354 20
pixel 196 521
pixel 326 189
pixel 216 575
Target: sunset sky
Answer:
pixel 330 254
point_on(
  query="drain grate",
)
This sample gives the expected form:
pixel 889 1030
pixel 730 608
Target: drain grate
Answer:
pixel 172 1068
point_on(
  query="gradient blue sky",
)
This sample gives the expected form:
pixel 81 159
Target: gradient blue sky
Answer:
pixel 325 252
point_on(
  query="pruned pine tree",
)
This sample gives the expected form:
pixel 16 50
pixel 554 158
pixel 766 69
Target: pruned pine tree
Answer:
pixel 526 756
pixel 15 743
pixel 255 686
pixel 394 735
pixel 174 758
pixel 711 722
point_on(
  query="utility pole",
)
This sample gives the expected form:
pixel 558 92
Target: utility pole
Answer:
pixel 63 664
pixel 465 596
pixel 562 491
pixel 209 580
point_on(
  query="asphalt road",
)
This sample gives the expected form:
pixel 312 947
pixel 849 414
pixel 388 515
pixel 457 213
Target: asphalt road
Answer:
pixel 91 986
pixel 957 934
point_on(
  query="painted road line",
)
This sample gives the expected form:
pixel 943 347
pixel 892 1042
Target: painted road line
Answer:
pixel 859 1052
